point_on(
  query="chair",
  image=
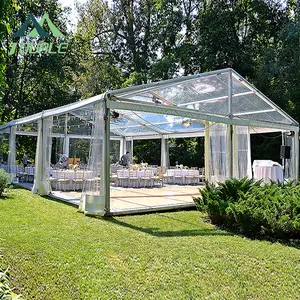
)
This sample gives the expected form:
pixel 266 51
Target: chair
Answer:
pixel 191 176
pixel 92 184
pixel 133 177
pixel 113 174
pixel 123 176
pixel 21 174
pixel 53 180
pixel 159 177
pixel 30 174
pixel 169 176
pixel 113 177
pixel 178 176
pixel 147 177
pixel 62 180
pixel 201 176
pixel 78 179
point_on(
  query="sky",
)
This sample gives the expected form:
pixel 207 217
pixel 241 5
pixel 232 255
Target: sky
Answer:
pixel 71 4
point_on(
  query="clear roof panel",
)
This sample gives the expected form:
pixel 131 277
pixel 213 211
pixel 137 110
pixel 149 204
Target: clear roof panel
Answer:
pixel 28 127
pixel 59 123
pixel 208 95
pixel 268 117
pixel 132 123
pixel 194 94
pixel 249 103
pixel 238 87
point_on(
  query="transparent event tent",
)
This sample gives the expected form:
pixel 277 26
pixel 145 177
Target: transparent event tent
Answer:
pixel 220 106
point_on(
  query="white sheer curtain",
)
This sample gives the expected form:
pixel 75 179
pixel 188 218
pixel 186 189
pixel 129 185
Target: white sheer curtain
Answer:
pixel 47 147
pixel 165 160
pixel 218 149
pixel 220 159
pixel 12 151
pixel 93 195
pixel 42 158
pixel 241 152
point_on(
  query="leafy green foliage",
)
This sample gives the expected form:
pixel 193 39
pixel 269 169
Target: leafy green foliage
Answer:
pixel 6 286
pixel 187 151
pixel 5 180
pixel 35 82
pixel 147 151
pixel 271 210
pixel 215 199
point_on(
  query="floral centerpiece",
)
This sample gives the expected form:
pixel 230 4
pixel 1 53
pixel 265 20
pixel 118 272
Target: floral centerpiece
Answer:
pixel 144 165
pixel 73 167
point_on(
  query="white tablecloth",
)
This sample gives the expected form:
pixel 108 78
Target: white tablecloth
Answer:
pixel 70 174
pixel 267 170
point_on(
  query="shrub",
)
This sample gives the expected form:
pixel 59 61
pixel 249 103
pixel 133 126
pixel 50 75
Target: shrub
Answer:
pixel 269 210
pixel 244 205
pixel 5 180
pixel 215 199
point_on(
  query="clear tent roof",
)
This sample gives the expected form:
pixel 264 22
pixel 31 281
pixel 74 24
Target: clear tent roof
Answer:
pixel 206 95
pixel 179 106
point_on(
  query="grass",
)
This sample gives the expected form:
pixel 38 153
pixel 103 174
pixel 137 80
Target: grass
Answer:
pixel 54 252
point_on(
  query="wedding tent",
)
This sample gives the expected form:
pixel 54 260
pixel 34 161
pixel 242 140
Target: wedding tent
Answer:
pixel 220 105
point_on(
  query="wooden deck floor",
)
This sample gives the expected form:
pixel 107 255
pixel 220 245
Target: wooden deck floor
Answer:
pixel 153 198
pixel 133 200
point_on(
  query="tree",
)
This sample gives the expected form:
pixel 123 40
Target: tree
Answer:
pixel 40 81
pixel 236 33
pixel 279 73
pixel 5 13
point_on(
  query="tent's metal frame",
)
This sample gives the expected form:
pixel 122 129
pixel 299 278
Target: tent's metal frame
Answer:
pixel 120 100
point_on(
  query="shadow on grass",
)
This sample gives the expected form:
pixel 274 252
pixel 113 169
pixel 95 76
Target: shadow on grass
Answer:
pixel 218 231
pixel 295 243
pixel 18 187
pixel 158 232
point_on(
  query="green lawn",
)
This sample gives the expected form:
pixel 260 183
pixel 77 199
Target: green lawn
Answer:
pixel 54 252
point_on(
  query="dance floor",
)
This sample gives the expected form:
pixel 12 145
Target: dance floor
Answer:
pixel 134 200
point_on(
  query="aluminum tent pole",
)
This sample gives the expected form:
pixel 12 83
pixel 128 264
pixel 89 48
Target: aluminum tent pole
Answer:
pixel 296 157
pixel 12 168
pixel 163 152
pixel 122 147
pixel 229 139
pixel 66 140
pixel 107 158
pixel 283 143
pixel 235 152
pixel 207 152
pixel 249 166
